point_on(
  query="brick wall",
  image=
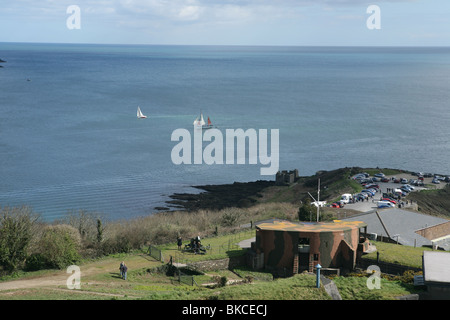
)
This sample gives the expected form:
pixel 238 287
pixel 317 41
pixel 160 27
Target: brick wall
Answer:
pixel 436 231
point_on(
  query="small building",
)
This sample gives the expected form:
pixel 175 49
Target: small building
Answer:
pixel 407 227
pixel 286 177
pixel 436 274
pixel 287 248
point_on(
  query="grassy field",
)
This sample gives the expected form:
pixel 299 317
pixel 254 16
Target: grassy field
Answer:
pixel 393 253
pixel 355 288
pixel 433 202
pixel 100 279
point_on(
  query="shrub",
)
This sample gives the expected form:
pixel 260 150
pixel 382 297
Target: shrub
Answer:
pixel 58 246
pixel 230 217
pixel 35 262
pixel 16 228
pixel 117 244
pixel 220 281
pixel 306 212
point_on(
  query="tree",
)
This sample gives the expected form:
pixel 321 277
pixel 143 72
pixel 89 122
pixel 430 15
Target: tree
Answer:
pixel 59 246
pixel 99 231
pixel 306 211
pixel 16 225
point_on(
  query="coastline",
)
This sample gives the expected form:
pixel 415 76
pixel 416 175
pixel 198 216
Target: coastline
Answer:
pixel 333 184
pixel 217 197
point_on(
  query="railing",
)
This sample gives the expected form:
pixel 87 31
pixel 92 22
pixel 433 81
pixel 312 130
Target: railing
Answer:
pixel 155 253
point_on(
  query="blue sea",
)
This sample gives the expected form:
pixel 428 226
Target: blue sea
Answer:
pixel 70 138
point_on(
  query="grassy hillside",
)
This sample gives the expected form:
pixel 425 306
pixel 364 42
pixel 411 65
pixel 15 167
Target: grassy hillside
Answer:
pixel 433 202
pixel 148 280
pixel 219 228
pixel 332 185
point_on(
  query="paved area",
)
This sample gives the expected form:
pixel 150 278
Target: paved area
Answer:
pixel 365 206
pixel 246 244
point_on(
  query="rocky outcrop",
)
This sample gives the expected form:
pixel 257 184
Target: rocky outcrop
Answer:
pixel 238 194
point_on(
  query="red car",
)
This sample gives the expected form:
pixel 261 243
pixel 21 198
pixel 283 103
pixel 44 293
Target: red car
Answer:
pixel 390 200
pixel 336 205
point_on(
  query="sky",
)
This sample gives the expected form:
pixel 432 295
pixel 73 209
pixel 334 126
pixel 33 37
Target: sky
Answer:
pixel 228 22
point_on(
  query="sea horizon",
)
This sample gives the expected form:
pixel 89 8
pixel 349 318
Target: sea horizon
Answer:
pixel 225 45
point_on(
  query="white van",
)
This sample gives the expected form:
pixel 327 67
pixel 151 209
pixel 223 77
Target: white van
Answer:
pixel 346 198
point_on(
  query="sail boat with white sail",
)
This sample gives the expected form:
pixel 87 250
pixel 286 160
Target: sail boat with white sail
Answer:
pixel 140 115
pixel 200 122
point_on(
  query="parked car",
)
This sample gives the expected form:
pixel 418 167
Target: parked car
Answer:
pixel 436 181
pixel 389 199
pixel 400 192
pixel 403 180
pixel 346 198
pixel 405 189
pixel 385 204
pixel 385 179
pixel 337 205
pixel 379 175
pixel 361 196
pixel 372 186
pixel 368 192
pixel 360 176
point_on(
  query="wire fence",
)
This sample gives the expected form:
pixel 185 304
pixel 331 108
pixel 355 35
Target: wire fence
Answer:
pixel 185 257
pixel 155 253
pixel 186 279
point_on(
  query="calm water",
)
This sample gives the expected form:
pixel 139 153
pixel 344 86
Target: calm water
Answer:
pixel 69 137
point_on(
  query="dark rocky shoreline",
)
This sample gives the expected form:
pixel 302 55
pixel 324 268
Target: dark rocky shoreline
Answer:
pixel 216 197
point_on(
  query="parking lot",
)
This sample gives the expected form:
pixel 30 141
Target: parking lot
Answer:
pixel 371 204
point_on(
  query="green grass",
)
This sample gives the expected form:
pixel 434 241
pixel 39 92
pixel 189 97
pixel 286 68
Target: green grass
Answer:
pixel 144 282
pixel 222 247
pixel 298 287
pixel 355 288
pixel 394 253
pixel 244 272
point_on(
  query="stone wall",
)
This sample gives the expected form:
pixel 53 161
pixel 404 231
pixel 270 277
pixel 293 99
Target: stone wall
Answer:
pixel 221 264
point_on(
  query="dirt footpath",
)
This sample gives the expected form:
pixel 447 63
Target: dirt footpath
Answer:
pixel 59 278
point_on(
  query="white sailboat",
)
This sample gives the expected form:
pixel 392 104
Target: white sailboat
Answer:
pixel 140 115
pixel 200 122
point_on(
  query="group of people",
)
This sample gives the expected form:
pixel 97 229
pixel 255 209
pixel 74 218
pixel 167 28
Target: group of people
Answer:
pixel 195 244
pixel 123 270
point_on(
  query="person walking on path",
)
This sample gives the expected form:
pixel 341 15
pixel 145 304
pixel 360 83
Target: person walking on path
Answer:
pixel 124 271
pixel 121 269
